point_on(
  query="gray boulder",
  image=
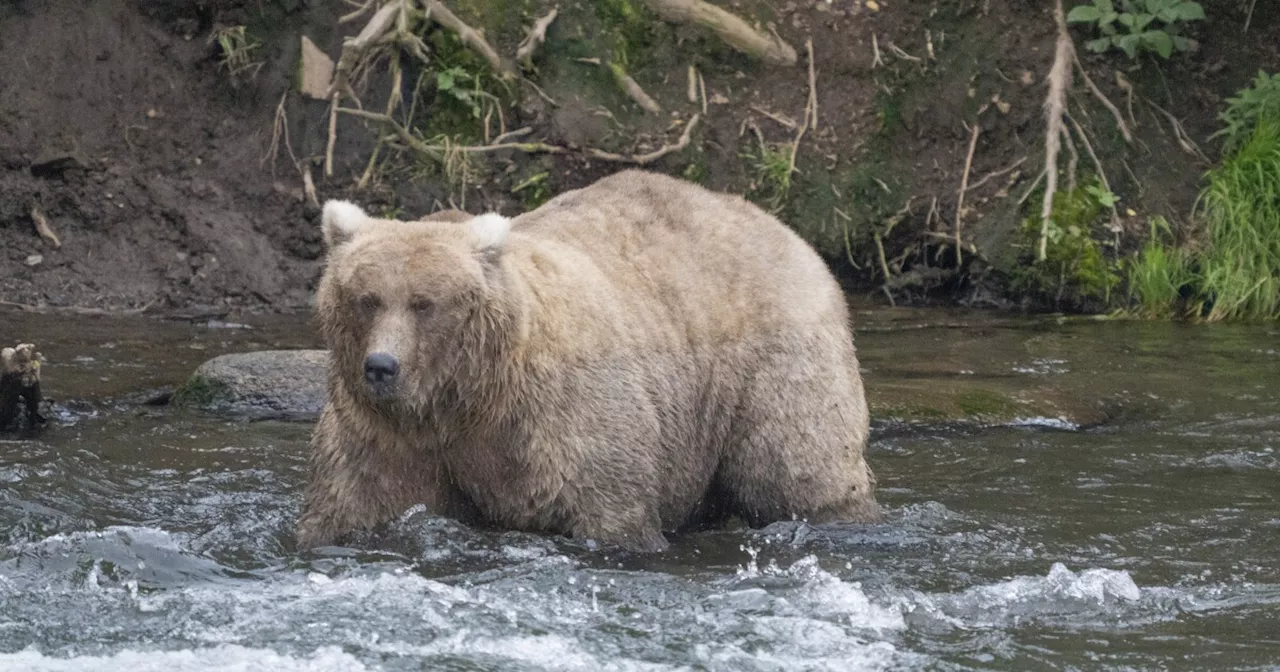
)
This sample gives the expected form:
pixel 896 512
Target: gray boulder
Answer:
pixel 270 384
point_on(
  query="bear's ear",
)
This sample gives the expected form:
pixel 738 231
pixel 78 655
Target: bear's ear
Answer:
pixel 341 221
pixel 489 232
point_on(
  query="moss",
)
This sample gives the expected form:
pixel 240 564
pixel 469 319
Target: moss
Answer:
pixel 985 404
pixel 198 392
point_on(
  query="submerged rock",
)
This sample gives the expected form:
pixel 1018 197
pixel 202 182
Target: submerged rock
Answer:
pixel 270 384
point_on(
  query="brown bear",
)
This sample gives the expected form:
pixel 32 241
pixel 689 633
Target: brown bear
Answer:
pixel 635 357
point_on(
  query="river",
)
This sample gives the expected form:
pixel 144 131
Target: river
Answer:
pixel 138 537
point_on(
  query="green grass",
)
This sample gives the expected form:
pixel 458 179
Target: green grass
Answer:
pixel 1240 273
pixel 1158 275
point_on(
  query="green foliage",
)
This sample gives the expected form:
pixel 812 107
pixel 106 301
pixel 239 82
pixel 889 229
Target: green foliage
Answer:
pixel 771 179
pixel 1237 273
pixel 1240 272
pixel 1140 25
pixel 453 82
pixel 237 49
pixel 1160 275
pixel 1075 267
pixel 535 190
pixel 1262 100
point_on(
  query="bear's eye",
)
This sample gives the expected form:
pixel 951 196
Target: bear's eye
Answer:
pixel 369 303
pixel 422 306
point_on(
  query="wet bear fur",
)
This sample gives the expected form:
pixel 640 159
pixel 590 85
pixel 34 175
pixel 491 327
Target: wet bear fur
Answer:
pixel 638 357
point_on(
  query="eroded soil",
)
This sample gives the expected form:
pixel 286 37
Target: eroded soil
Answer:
pixel 152 164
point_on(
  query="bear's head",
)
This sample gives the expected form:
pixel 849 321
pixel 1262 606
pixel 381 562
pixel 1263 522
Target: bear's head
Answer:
pixel 405 305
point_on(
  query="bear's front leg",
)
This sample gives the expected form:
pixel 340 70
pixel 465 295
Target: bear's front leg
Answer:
pixel 363 476
pixel 628 526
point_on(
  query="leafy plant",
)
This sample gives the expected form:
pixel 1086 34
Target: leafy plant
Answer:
pixel 1243 111
pixel 1075 267
pixel 1139 25
pixel 452 82
pixel 772 179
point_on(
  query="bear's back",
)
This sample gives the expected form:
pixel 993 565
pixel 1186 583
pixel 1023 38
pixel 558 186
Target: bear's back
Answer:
pixel 709 258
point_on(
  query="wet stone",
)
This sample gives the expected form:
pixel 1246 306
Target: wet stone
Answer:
pixel 270 384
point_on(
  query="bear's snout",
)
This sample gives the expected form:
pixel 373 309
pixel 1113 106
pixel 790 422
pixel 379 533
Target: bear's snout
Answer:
pixel 380 370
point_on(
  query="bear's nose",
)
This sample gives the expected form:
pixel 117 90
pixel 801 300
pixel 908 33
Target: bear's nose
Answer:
pixel 380 368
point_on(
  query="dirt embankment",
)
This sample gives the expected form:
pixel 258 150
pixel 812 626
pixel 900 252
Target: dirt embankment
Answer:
pixel 152 165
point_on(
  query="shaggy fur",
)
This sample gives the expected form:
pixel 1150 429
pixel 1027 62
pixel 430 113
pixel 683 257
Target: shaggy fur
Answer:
pixel 636 357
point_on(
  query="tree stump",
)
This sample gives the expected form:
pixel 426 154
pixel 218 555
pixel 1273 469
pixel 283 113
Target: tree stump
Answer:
pixel 20 386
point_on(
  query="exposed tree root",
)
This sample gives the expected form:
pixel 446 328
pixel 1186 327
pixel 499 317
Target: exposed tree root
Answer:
pixel 1102 98
pixel 644 159
pixel 1055 107
pixel 728 27
pixel 472 38
pixel 1102 174
pixel 536 36
pixel 964 187
pixel 633 90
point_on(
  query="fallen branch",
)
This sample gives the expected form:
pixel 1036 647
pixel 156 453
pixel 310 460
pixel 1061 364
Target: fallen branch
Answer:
pixel 643 159
pixel 43 228
pixel 728 27
pixel 537 35
pixel 1055 106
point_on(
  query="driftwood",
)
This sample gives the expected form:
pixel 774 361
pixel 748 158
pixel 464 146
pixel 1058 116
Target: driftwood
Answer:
pixel 20 385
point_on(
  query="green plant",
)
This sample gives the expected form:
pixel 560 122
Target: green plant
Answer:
pixel 1148 25
pixel 237 51
pixel 536 189
pixel 1075 267
pixel 452 82
pixel 1160 274
pixel 771 181
pixel 1240 272
pixel 1252 103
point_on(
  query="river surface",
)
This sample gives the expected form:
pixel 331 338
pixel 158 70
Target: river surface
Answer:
pixel 134 537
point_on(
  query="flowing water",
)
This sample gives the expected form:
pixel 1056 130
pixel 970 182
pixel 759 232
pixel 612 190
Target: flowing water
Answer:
pixel 139 538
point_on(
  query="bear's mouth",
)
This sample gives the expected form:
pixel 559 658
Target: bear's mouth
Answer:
pixel 384 390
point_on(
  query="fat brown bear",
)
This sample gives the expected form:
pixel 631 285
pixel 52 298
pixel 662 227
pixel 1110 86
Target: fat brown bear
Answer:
pixel 636 357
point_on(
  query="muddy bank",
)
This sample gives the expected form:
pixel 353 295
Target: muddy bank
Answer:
pixel 153 165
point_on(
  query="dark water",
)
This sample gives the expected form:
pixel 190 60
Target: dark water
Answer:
pixel 138 539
